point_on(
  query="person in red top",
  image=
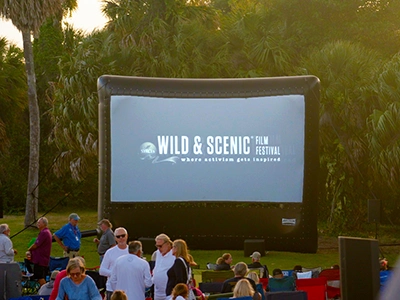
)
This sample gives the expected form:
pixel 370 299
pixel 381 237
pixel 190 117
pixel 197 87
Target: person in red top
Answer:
pixel 40 251
pixel 56 284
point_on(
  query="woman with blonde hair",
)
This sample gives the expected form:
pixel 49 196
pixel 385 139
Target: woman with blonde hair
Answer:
pixel 119 295
pixel 259 286
pixel 77 285
pixel 224 262
pixel 180 270
pixel 180 292
pixel 243 288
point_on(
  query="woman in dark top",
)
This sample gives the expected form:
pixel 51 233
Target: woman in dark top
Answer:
pixel 178 273
pixel 224 262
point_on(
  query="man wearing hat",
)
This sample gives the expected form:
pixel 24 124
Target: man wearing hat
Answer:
pixel 255 264
pixel 69 237
pixel 107 239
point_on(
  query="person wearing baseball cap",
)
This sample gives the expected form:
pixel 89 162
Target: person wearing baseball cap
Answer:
pixel 69 237
pixel 107 239
pixel 256 264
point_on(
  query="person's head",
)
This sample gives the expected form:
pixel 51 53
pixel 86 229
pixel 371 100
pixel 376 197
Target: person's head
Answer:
pixel 298 268
pixel 254 276
pixel 243 288
pixel 180 249
pixel 180 289
pixel 384 265
pixel 335 267
pixel 277 273
pixel 4 229
pixel 225 258
pixel 104 224
pixel 135 247
pixel 121 236
pixel 42 223
pixel 163 243
pixel 54 275
pixel 119 295
pixel 73 219
pixel 256 256
pixel 240 269
pixel 75 269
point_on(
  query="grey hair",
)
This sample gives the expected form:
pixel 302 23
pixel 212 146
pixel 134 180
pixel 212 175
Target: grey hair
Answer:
pixel 134 247
pixel 120 228
pixel 165 238
pixel 3 228
pixel 44 220
pixel 240 269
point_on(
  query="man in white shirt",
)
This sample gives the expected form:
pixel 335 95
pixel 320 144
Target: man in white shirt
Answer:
pixel 131 273
pixel 164 261
pixel 111 256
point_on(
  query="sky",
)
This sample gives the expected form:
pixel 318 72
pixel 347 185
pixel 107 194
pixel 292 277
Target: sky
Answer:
pixel 87 17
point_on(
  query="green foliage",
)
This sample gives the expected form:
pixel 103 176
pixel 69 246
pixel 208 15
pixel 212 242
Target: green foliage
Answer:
pixel 14 127
pixel 349 45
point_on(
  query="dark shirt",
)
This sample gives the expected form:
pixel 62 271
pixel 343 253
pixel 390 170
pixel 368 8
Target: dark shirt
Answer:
pixel 281 284
pixel 257 265
pixel 176 274
pixel 229 284
pixel 223 267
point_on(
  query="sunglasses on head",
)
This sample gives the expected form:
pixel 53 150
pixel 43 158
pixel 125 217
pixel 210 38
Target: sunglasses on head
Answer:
pixel 120 236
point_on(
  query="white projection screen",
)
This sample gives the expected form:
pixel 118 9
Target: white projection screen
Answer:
pixel 210 146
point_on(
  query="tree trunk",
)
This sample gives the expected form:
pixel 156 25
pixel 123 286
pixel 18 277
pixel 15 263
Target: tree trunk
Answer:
pixel 31 208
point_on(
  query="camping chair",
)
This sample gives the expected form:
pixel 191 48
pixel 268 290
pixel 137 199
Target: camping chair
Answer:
pixel 304 275
pixel 315 271
pixel 316 288
pixel 333 281
pixel 264 282
pixel 58 263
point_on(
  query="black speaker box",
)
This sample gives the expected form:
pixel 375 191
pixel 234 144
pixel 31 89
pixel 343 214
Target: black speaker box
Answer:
pixel 374 211
pixel 10 281
pixel 359 268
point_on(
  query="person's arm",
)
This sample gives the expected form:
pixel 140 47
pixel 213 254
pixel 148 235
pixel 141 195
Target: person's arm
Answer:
pixel 58 240
pixel 226 287
pixel 148 282
pixel 56 284
pixel 61 291
pixel 8 248
pixel 111 240
pixel 105 266
pixel 113 277
pixel 92 289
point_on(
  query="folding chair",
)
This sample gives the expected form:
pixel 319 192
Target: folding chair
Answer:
pixel 333 280
pixel 316 288
pixel 264 282
pixel 58 263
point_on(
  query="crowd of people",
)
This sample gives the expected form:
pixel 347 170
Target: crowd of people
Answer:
pixel 129 276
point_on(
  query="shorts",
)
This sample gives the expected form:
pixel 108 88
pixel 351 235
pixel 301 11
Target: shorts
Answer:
pixel 40 272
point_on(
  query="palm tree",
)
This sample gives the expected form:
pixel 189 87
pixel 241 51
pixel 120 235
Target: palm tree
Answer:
pixel 346 71
pixel 28 16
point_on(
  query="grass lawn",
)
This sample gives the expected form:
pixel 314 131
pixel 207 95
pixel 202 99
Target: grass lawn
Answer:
pixel 326 256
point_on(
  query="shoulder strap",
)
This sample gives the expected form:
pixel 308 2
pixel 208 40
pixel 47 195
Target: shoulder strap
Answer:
pixel 188 270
